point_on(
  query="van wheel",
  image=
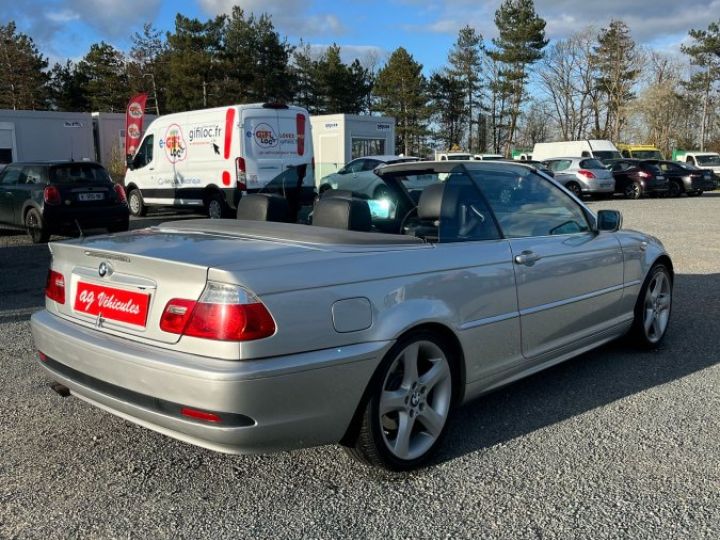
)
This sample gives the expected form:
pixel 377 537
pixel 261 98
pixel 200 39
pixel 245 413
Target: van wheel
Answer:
pixel 35 227
pixel 215 206
pixel 136 203
pixel 409 405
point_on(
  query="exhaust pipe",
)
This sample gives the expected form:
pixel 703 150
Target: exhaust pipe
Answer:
pixel 60 389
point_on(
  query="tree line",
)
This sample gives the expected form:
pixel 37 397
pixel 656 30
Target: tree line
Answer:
pixel 491 96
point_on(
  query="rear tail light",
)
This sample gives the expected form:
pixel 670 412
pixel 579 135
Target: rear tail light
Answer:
pixel 587 174
pixel 120 193
pixel 643 174
pixel 55 286
pixel 223 313
pixel 51 195
pixel 241 175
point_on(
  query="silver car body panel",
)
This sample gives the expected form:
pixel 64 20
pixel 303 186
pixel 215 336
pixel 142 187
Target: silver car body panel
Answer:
pixel 604 182
pixel 302 386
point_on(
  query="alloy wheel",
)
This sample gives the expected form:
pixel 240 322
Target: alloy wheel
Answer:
pixel 656 312
pixel 135 203
pixel 415 400
pixel 633 190
pixel 215 209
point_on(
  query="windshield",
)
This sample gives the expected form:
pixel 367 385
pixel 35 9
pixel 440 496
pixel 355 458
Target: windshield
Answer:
pixel 79 173
pixel 606 154
pixel 646 154
pixel 708 160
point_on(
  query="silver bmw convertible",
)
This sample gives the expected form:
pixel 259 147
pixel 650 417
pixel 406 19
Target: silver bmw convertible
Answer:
pixel 367 327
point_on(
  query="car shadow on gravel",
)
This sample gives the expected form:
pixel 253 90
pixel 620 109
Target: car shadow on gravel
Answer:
pixel 597 378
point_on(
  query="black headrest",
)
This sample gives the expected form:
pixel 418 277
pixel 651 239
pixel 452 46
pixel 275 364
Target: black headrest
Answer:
pixel 350 214
pixel 430 203
pixel 263 207
pixel 336 193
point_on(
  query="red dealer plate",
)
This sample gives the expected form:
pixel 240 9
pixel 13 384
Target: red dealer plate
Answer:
pixel 112 304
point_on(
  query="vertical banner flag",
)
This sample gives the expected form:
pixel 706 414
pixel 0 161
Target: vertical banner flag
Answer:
pixel 134 122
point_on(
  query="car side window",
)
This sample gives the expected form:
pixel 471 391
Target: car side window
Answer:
pixel 370 164
pixel 529 205
pixel 619 166
pixel 10 176
pixel 145 153
pixel 33 175
pixel 464 214
pixel 355 166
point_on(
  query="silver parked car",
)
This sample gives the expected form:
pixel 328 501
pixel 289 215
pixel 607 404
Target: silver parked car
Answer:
pixel 582 175
pixel 254 336
pixel 358 175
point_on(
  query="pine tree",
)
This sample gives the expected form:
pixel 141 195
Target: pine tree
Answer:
pixel 256 59
pixel 194 61
pixel 704 52
pixel 519 44
pixel 66 88
pixel 305 73
pixel 23 84
pixel 617 62
pixel 465 66
pixel 148 66
pixel 401 91
pixel 447 94
pixel 103 77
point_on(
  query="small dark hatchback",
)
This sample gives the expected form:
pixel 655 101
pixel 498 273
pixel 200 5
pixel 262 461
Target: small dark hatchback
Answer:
pixel 61 197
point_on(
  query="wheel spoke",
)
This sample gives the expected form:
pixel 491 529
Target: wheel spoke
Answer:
pixel 649 319
pixel 410 364
pixel 402 441
pixel 664 301
pixel 392 400
pixel 656 327
pixel 432 421
pixel 438 373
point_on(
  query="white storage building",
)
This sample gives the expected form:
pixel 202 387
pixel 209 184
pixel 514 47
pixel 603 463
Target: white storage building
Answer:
pixel 45 135
pixel 109 134
pixel 340 138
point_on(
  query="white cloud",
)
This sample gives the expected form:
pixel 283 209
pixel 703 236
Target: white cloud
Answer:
pixel 62 16
pixel 289 16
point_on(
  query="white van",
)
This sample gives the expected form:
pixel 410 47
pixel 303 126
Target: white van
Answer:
pixel 209 158
pixel 595 148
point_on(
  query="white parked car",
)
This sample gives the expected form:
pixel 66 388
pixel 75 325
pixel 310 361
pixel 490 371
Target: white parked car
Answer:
pixel 358 176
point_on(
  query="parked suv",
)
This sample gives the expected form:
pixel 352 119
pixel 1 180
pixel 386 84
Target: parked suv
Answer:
pixel 635 178
pixel 582 176
pixel 63 197
pixel 358 176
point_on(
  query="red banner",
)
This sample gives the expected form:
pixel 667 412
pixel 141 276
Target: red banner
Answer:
pixel 134 122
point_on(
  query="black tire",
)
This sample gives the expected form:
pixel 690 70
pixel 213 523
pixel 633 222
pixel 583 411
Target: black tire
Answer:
pixel 136 203
pixel 633 190
pixel 646 308
pixel 675 189
pixel 419 401
pixel 324 188
pixel 35 227
pixel 574 187
pixel 694 193
pixel 215 206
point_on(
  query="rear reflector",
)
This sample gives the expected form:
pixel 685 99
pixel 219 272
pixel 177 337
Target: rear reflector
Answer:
pixel 55 286
pixel 42 356
pixel 200 415
pixel 223 313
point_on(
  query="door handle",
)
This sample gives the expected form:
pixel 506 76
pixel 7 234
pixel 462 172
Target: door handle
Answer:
pixel 527 257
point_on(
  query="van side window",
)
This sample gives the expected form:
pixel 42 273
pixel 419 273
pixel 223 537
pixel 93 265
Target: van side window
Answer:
pixel 145 153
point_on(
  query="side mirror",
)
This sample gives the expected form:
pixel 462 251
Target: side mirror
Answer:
pixel 609 220
pixel 129 161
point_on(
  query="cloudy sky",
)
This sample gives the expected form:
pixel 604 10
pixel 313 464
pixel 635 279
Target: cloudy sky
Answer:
pixel 427 28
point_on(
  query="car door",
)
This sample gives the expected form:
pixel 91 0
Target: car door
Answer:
pixel 29 188
pixel 9 178
pixel 346 177
pixel 569 278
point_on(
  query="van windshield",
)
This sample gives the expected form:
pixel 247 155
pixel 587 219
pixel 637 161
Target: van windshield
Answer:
pixel 606 154
pixel 79 173
pixel 646 154
pixel 708 160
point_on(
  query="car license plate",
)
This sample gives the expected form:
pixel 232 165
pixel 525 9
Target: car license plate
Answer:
pixel 91 196
pixel 111 303
pixel 660 177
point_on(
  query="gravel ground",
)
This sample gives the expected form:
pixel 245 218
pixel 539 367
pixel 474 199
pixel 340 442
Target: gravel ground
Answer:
pixel 613 444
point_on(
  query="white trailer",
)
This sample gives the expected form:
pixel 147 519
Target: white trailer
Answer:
pixel 45 135
pixel 340 138
pixel 109 134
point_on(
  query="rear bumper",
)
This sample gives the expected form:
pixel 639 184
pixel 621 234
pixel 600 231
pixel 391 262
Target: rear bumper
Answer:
pixel 64 218
pixel 270 404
